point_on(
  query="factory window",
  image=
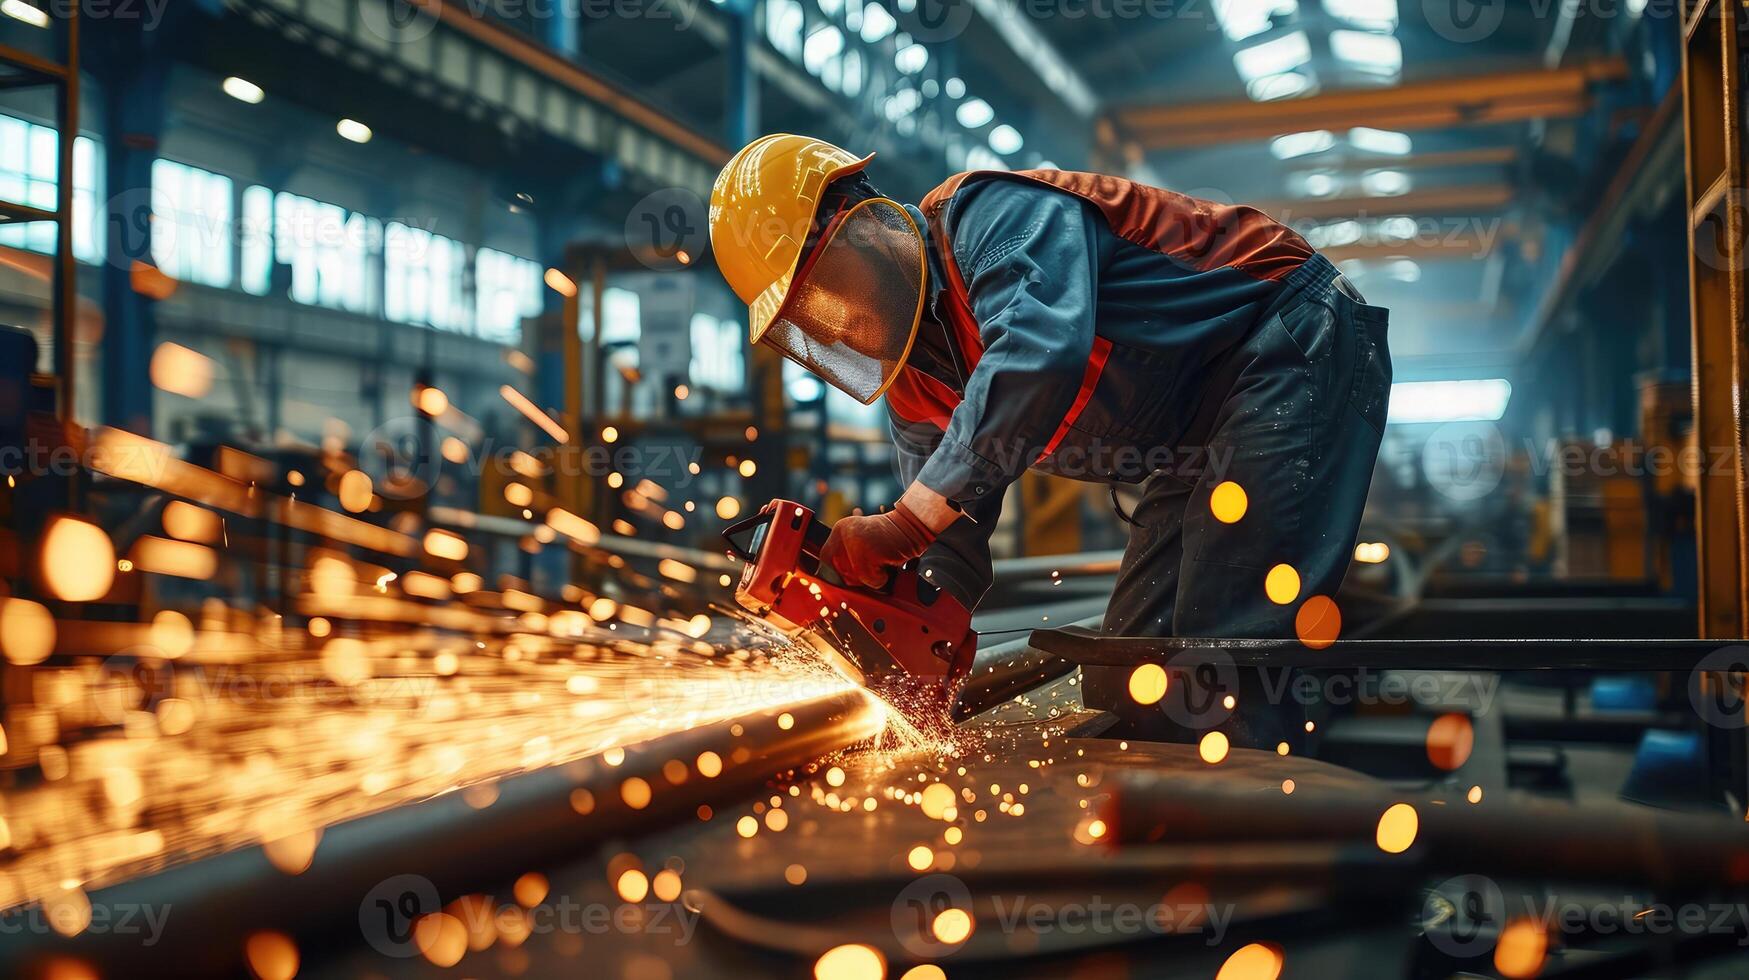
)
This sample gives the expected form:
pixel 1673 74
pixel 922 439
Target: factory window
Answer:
pixel 1240 19
pixel 876 23
pixel 718 360
pixel 330 252
pixel 621 316
pixel 841 409
pixel 507 289
pixel 911 57
pixel 424 274
pixel 28 163
pixel 191 223
pixel 1478 400
pixel 821 51
pixel 256 231
pixel 1374 15
pixel 783 27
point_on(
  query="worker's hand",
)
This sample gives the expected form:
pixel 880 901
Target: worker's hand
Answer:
pixel 861 549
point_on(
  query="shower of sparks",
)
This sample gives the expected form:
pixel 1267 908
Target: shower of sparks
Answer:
pixel 216 725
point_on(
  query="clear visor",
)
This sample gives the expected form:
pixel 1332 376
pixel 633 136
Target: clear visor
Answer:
pixel 852 317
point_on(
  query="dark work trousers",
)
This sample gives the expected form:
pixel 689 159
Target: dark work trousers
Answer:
pixel 1298 429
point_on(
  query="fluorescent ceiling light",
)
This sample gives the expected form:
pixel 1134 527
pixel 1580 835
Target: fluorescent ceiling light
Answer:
pixel 1345 232
pixel 1240 19
pixel 19 10
pixel 1383 141
pixel 902 103
pixel 911 58
pixel 1005 139
pixel 1377 15
pixel 1301 144
pixel 876 22
pixel 353 130
pixel 1385 183
pixel 973 113
pixel 1482 400
pixel 1285 53
pixel 820 48
pixel 1283 86
pixel 1377 54
pixel 1403 270
pixel 1318 185
pixel 1398 229
pixel 980 158
pixel 243 90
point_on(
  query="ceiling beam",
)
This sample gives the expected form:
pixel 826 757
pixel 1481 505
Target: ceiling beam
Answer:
pixel 1459 245
pixel 1437 104
pixel 1462 199
pixel 1480 157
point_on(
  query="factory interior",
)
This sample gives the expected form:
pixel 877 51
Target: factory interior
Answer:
pixel 363 615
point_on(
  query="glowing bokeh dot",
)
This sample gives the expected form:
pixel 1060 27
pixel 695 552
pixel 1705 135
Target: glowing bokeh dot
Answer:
pixel 1397 828
pixel 1450 740
pixel 1521 950
pixel 952 926
pixel 850 962
pixel 441 938
pixel 1148 684
pixel 1228 502
pixel 78 560
pixel 272 955
pixel 928 971
pixel 27 631
pixel 633 885
pixel 1213 747
pixel 920 858
pixel 1318 622
pixel 1282 584
pixel 1257 961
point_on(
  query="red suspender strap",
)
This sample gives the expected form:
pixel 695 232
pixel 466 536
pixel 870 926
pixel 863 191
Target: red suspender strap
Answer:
pixel 1089 380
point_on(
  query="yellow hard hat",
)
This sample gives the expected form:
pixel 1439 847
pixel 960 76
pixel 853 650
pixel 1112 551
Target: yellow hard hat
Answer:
pixel 762 207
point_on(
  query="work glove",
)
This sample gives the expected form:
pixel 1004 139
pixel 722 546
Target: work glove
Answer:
pixel 861 549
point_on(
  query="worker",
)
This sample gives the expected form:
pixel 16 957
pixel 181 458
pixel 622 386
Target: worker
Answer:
pixel 1091 327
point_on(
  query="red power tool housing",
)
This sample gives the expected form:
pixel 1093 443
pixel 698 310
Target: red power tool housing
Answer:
pixel 908 634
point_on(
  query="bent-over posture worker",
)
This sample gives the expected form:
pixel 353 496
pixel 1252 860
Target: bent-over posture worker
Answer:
pixel 1095 328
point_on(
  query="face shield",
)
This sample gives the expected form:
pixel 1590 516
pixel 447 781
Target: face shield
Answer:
pixel 852 312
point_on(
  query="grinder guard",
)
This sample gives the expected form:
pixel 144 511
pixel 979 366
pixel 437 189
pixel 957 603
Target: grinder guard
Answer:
pixel 906 635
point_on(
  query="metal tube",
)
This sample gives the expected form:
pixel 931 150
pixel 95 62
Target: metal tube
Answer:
pixel 444 841
pixel 1085 647
pixel 1612 843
